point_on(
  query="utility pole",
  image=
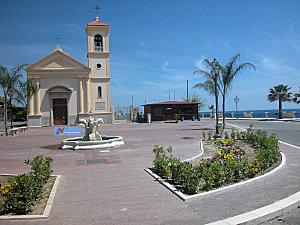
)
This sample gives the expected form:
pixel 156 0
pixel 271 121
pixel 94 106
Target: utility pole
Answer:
pixel 131 100
pixel 187 89
pixel 174 95
pixel 169 97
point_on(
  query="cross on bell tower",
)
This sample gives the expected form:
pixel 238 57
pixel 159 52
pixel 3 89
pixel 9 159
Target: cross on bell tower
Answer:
pixel 97 7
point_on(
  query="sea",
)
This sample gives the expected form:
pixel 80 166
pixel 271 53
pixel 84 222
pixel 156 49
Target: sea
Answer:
pixel 257 113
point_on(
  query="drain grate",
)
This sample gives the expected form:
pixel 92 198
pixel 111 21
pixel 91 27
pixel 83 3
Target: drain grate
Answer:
pixel 187 138
pixel 96 161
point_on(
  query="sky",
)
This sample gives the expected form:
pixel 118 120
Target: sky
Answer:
pixel 155 46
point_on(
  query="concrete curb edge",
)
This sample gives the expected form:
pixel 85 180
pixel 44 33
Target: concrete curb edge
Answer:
pixel 186 197
pixel 263 214
pixel 48 206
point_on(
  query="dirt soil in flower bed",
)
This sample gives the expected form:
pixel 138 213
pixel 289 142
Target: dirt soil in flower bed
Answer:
pixel 39 206
pixel 210 149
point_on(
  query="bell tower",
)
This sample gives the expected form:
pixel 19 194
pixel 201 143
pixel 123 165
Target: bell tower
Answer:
pixel 98 84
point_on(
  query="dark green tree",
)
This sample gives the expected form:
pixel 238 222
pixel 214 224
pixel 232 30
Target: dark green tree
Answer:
pixel 10 82
pixel 281 94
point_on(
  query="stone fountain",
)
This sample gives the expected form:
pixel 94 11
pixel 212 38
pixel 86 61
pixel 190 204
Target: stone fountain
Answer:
pixel 92 139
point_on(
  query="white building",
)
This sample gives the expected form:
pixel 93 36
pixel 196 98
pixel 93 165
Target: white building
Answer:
pixel 69 90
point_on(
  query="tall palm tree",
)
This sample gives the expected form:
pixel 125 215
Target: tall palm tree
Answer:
pixel 211 84
pixel 228 73
pixel 10 81
pixel 281 94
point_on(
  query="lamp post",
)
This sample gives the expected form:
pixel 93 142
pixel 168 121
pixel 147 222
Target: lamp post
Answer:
pixel 236 99
pixel 215 73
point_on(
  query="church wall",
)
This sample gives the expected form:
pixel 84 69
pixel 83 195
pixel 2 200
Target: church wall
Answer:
pixel 98 72
pixel 99 104
pixel 46 103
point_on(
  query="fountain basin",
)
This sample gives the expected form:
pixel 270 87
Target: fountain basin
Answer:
pixel 79 144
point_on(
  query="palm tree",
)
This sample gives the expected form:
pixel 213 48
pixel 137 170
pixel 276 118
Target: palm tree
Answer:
pixel 296 97
pixel 228 73
pixel 281 94
pixel 212 109
pixel 10 81
pixel 211 84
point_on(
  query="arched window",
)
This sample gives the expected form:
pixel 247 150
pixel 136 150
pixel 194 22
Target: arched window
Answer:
pixel 98 41
pixel 99 92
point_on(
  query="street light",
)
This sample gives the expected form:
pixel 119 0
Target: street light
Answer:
pixel 215 73
pixel 236 99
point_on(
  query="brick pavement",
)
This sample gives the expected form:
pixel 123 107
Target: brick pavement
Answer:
pixel 121 192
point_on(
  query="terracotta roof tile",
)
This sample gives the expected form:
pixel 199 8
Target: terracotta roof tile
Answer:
pixel 97 22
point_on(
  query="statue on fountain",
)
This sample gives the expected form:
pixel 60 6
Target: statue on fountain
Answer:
pixel 91 128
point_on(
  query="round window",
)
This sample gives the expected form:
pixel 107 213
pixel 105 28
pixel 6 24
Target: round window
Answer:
pixel 98 66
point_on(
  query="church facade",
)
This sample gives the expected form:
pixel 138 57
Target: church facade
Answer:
pixel 67 90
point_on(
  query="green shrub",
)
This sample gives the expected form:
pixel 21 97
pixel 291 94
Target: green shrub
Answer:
pixel 21 197
pixel 40 169
pixel 226 136
pixel 161 161
pixel 23 190
pixel 204 135
pixel 212 173
pixel 232 134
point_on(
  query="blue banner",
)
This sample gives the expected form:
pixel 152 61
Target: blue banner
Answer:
pixel 66 131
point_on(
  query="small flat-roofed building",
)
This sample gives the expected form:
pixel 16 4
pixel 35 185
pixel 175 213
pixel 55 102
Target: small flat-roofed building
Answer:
pixel 163 111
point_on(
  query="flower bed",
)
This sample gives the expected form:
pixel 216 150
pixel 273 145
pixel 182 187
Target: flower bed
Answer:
pixel 229 165
pixel 19 194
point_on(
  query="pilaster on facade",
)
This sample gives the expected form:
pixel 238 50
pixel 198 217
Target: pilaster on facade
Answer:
pixel 81 96
pixel 37 98
pixel 88 97
pixel 31 104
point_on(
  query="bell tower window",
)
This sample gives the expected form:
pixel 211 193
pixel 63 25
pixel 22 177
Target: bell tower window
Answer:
pixel 98 43
pixel 99 92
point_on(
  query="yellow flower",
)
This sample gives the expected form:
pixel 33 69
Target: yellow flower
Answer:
pixel 5 188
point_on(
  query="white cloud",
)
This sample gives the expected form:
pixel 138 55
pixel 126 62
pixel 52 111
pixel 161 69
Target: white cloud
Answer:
pixel 275 66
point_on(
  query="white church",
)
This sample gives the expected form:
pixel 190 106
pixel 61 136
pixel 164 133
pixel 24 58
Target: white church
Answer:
pixel 68 90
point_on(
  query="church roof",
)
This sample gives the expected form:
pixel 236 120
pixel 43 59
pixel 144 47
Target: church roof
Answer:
pixel 57 60
pixel 97 22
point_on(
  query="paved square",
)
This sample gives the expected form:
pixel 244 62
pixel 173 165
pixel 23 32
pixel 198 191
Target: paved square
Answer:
pixel 121 192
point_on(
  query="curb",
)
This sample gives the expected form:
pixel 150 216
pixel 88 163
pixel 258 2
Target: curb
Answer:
pixel 184 197
pixel 263 214
pixel 47 209
pixel 196 156
pixel 187 197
